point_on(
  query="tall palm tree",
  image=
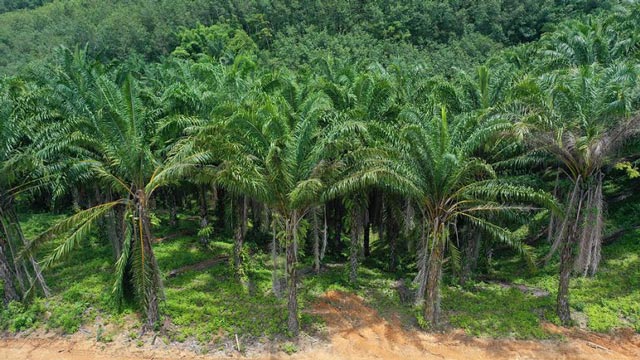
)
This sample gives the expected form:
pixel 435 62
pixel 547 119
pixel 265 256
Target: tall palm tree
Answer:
pixel 109 142
pixel 450 184
pixel 588 112
pixel 16 163
pixel 289 175
pixel 362 98
pixel 265 151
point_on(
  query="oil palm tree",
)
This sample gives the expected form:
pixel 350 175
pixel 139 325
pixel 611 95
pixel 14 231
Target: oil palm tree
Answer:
pixel 267 151
pixel 434 163
pixel 601 40
pixel 19 274
pixel 587 113
pixel 189 92
pixel 109 143
pixel 287 171
pixel 363 99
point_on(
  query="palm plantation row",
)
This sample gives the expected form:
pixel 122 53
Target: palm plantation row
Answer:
pixel 444 165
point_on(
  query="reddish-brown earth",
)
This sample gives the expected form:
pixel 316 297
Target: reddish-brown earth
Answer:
pixel 354 331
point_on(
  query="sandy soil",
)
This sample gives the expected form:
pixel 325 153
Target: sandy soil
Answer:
pixel 355 331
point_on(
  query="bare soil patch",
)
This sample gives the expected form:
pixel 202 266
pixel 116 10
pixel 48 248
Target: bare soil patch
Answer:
pixel 354 331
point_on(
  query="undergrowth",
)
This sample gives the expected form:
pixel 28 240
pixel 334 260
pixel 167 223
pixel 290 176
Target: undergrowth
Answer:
pixel 213 304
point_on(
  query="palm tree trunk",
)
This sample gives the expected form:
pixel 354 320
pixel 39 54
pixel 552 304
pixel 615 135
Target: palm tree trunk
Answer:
pixel 562 305
pixel 75 199
pixel 337 240
pixel 215 200
pixel 220 195
pixel 256 215
pixel 423 261
pixel 204 211
pixel 366 234
pixel 275 279
pixel 240 232
pixel 316 240
pixel 566 256
pixel 173 206
pixel 292 276
pixel 434 274
pixel 325 233
pixel 154 292
pixel 150 288
pixel 355 244
pixel 552 217
pixel 380 219
pixel 392 238
pixel 116 229
pixel 472 251
pixel 9 289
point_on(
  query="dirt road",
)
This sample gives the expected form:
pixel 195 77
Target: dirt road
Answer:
pixel 355 332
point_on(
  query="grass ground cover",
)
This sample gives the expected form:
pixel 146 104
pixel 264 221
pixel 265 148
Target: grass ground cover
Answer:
pixel 211 305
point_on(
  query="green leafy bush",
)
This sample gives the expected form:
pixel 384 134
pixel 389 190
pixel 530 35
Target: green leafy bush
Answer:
pixel 19 317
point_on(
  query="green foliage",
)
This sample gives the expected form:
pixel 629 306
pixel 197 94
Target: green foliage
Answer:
pixel 602 318
pixel 496 311
pixel 17 317
pixel 219 42
pixel 11 5
pixel 627 167
pixel 67 316
pixel 289 348
pixel 151 27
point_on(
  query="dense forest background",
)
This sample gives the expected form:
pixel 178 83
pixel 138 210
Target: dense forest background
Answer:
pixel 291 33
pixel 441 149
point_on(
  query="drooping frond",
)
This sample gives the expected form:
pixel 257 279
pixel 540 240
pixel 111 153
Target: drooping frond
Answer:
pixel 74 228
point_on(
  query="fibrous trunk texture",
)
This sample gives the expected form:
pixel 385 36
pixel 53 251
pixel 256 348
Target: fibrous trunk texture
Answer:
pixel 423 261
pixel 9 289
pixel 316 240
pixel 471 254
pixel 356 224
pixel 590 242
pixel 204 212
pixel 240 232
pixel 434 274
pixel 146 272
pixel 570 226
pixel 292 276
